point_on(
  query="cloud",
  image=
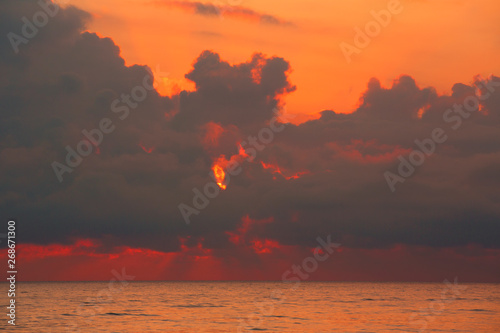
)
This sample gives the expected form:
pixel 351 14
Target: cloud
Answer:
pixel 216 10
pixel 242 95
pixel 324 176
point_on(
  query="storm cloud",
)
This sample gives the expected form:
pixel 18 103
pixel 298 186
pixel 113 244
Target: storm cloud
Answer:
pixel 324 176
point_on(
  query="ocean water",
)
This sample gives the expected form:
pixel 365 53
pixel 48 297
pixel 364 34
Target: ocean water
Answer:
pixel 315 307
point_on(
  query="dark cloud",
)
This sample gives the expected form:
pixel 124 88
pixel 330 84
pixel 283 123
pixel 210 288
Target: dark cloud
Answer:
pixel 65 80
pixel 205 9
pixel 242 95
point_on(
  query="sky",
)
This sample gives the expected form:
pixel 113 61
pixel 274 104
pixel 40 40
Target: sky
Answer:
pixel 438 42
pixel 184 140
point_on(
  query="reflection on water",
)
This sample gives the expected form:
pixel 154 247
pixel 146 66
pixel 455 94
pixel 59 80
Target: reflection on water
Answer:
pixel 314 307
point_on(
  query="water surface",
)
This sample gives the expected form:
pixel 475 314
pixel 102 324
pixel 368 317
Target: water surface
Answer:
pixel 313 307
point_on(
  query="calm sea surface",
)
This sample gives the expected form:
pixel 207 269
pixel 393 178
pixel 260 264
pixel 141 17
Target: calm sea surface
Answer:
pixel 314 307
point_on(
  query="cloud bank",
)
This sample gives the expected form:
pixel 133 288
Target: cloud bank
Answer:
pixel 321 177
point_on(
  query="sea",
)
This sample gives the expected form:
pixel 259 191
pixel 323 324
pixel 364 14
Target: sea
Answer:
pixel 307 307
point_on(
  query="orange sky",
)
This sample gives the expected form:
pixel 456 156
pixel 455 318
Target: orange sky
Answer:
pixel 436 42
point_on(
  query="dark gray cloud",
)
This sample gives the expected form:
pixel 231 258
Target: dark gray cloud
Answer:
pixel 232 95
pixel 65 80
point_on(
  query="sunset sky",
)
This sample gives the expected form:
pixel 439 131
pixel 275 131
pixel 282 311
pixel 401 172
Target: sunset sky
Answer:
pixel 438 42
pixel 222 69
